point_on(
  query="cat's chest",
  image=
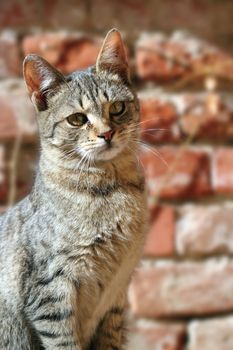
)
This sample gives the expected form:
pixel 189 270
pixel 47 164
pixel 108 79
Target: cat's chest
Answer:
pixel 93 217
pixel 96 247
pixel 101 236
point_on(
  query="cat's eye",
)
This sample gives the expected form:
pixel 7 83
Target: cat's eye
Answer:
pixel 117 109
pixel 77 119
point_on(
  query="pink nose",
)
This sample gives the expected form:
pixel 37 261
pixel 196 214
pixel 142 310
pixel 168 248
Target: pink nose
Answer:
pixel 107 135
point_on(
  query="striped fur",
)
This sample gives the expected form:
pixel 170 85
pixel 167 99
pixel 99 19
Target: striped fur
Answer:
pixel 67 251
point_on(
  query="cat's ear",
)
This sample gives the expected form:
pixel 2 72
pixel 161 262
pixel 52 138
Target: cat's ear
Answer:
pixel 113 57
pixel 41 79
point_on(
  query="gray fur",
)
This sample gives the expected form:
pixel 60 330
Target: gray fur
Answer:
pixel 68 249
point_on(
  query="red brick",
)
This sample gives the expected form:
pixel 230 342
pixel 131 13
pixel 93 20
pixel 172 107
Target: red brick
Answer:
pixel 182 289
pixel 214 334
pixel 50 14
pixel 24 168
pixel 158 120
pixel 150 61
pixel 10 64
pixel 2 210
pixel 222 171
pixel 17 112
pixel 18 13
pixel 160 239
pixel 67 52
pixel 149 335
pixel 204 230
pixel 203 116
pixel 207 117
pixel 64 14
pixel 126 15
pixel 163 58
pixel 174 173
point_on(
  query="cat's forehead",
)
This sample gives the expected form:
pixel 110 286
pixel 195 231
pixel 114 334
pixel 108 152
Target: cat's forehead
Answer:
pixel 102 89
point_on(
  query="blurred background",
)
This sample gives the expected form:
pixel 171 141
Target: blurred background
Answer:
pixel 181 297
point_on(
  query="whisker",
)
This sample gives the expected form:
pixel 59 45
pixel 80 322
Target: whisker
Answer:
pixel 155 129
pixel 81 168
pixel 145 121
pixel 155 152
pixel 68 155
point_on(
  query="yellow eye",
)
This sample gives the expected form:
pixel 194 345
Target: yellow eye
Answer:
pixel 77 119
pixel 117 108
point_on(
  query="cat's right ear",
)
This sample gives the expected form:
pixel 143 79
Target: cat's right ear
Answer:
pixel 41 78
pixel 112 57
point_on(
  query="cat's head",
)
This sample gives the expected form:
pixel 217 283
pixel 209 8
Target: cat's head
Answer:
pixel 90 114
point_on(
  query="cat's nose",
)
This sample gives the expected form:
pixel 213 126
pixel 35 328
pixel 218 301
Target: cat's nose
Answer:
pixel 107 135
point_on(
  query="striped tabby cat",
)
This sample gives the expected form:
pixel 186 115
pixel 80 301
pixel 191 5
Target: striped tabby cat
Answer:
pixel 68 249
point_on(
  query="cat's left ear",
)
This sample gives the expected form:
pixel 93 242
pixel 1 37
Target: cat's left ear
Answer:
pixel 113 57
pixel 41 79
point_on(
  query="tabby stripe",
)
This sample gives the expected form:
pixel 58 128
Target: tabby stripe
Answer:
pixel 28 272
pixel 106 95
pixel 48 334
pixel 101 286
pixel 44 262
pixel 58 273
pixel 43 301
pixel 54 317
pixel 33 300
pixel 80 88
pixel 92 96
pixel 102 191
pixel 119 228
pixel 80 102
pixel 117 311
pixel 99 240
pixel 64 251
pixel 67 343
pixel 51 300
pixel 31 264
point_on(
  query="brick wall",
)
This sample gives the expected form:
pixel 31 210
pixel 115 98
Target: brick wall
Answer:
pixel 180 297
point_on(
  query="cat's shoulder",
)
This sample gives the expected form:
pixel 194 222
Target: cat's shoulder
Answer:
pixel 14 217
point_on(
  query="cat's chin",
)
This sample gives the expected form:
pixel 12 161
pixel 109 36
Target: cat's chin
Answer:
pixel 107 154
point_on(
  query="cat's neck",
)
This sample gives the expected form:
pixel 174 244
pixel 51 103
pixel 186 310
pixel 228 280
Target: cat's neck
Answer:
pixel 67 182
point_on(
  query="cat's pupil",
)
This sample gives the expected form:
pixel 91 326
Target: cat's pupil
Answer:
pixel 77 119
pixel 117 108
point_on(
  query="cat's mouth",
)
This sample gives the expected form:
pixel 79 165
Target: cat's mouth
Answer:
pixel 107 146
pixel 107 151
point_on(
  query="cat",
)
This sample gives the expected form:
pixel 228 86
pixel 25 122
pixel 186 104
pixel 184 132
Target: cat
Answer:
pixel 68 250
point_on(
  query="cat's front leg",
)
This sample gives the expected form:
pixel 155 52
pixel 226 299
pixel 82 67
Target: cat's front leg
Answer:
pixel 111 332
pixel 56 333
pixel 54 322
